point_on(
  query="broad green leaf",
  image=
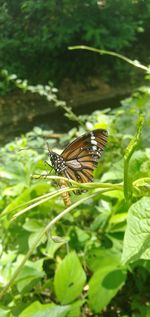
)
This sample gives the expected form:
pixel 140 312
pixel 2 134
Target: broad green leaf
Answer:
pixel 6 266
pixel 118 218
pixel 142 185
pixel 33 236
pixel 15 190
pixel 32 225
pixel 115 173
pixel 137 167
pixel 28 277
pixel 104 285
pixel 36 309
pixel 137 235
pixel 28 194
pixel 75 308
pixel 52 247
pixel 101 220
pixel 100 258
pixel 82 235
pixel 5 312
pixel 69 279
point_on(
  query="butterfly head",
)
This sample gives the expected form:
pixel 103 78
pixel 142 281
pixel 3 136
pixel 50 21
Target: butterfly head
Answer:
pixel 57 162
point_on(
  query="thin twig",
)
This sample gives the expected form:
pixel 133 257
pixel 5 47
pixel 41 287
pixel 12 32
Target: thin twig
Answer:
pixel 134 63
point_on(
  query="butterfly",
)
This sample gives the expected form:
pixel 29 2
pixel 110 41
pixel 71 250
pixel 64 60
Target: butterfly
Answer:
pixel 80 158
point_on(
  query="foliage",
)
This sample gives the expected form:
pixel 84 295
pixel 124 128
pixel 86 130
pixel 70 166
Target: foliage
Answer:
pixel 76 261
pixel 39 32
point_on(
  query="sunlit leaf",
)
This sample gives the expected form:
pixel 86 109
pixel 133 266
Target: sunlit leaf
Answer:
pixel 75 308
pixel 33 236
pixel 37 309
pixel 118 218
pixel 100 258
pixel 29 276
pixel 69 279
pixel 5 312
pixel 137 235
pixel 30 193
pixel 104 285
pixel 32 225
pixel 52 247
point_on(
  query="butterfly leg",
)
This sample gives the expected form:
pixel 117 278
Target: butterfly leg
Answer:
pixel 47 171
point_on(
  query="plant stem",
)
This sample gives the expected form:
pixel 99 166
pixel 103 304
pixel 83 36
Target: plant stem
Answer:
pixel 35 202
pixel 94 185
pixel 134 63
pixel 128 153
pixel 41 201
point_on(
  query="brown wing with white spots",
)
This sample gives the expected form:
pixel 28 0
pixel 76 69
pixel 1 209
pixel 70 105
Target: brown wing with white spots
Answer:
pixel 82 155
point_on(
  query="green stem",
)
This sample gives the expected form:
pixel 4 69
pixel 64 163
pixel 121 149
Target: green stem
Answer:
pixel 94 185
pixel 128 153
pixel 135 63
pixel 41 201
pixel 36 201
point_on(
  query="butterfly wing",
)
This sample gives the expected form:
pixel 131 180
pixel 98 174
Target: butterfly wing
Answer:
pixel 82 155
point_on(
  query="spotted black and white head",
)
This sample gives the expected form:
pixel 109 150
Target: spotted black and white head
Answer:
pixel 57 162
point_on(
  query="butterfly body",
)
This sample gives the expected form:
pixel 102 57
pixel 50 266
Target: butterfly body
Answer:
pixel 81 157
pixel 57 161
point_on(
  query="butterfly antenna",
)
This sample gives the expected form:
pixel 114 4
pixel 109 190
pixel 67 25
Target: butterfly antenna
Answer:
pixel 48 147
pixel 49 151
pixel 29 148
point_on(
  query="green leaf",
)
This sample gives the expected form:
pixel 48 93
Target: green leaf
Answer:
pixel 115 219
pixel 29 276
pixel 52 247
pixel 114 173
pixel 6 266
pixel 36 309
pixel 30 193
pixel 104 285
pixel 32 225
pixel 15 190
pixel 5 312
pixel 33 236
pixel 99 257
pixel 137 235
pixel 69 279
pixel 101 220
pixel 142 185
pixel 140 310
pixel 82 235
pixel 75 309
pixel 137 163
